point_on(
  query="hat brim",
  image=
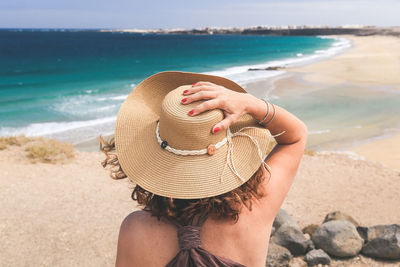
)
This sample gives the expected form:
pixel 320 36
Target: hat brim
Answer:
pixel 167 174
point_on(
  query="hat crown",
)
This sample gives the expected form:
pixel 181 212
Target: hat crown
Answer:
pixel 185 132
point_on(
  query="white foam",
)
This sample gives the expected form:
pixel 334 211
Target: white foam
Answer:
pixel 120 97
pixel 91 91
pixel 242 75
pixel 319 132
pixel 81 106
pixel 349 154
pixel 49 128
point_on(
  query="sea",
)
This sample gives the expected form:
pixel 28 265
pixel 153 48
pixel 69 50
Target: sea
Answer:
pixel 70 84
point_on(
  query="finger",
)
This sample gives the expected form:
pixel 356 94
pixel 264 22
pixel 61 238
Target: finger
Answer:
pixel 195 89
pixel 199 96
pixel 204 83
pixel 207 105
pixel 224 124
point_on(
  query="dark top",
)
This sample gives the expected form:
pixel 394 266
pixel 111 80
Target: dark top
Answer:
pixel 191 254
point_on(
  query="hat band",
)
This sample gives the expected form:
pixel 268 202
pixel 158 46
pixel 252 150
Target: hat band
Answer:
pixel 182 152
pixel 229 156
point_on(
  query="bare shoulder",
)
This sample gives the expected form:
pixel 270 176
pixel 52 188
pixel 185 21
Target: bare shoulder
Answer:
pixel 136 227
pixel 140 233
pixel 135 221
pixel 131 237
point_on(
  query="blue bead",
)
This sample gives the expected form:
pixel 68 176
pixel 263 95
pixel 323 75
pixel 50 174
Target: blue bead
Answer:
pixel 164 144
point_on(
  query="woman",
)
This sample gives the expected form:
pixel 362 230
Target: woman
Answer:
pixel 197 148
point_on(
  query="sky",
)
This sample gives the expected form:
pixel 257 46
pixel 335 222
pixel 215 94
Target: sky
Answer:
pixel 161 14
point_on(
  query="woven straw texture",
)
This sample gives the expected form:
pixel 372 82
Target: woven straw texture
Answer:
pixel 186 177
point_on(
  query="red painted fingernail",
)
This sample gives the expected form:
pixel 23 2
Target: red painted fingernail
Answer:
pixel 184 100
pixel 185 91
pixel 216 129
pixel 191 112
pixel 194 84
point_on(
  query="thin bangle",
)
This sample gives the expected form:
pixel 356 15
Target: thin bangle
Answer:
pixel 273 115
pixel 266 115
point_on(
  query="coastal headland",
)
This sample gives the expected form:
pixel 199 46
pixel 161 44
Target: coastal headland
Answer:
pixel 357 30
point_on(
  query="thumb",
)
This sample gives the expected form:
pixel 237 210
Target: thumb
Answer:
pixel 224 124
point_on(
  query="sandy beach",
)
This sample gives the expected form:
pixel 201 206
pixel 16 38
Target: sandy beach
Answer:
pixel 375 60
pixel 354 86
pixel 68 214
pixel 385 151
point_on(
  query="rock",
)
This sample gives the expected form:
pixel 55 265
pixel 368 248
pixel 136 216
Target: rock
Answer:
pixel 292 239
pixel 338 238
pixel 309 229
pixel 381 241
pixel 278 256
pixel 310 246
pixel 317 256
pixel 283 217
pixel 307 236
pixel 272 230
pixel 267 68
pixel 338 215
pixel 297 262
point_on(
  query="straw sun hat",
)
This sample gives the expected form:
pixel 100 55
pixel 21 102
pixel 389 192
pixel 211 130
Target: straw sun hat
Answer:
pixel 169 153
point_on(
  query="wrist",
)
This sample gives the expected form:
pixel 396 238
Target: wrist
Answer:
pixel 256 107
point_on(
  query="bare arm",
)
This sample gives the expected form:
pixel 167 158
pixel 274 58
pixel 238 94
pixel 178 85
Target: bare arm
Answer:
pixel 124 253
pixel 285 158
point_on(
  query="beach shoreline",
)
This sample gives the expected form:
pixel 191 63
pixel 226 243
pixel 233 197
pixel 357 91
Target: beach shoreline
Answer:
pixel 340 45
pixel 360 69
pixel 313 76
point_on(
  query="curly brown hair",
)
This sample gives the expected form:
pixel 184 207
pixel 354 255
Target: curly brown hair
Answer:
pixel 183 211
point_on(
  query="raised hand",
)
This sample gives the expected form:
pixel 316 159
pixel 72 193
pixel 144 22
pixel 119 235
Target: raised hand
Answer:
pixel 233 104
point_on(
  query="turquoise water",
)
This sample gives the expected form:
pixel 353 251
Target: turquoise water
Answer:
pixel 70 84
pixel 344 115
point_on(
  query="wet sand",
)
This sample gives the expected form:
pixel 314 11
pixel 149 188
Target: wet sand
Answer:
pixel 385 151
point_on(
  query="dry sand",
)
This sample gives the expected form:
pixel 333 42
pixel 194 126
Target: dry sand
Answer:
pixel 374 60
pixel 59 215
pixel 69 214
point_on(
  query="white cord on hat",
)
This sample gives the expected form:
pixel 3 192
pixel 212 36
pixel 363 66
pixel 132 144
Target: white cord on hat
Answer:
pixel 186 152
pixel 229 156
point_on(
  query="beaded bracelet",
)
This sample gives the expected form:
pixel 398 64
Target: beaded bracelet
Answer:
pixel 266 115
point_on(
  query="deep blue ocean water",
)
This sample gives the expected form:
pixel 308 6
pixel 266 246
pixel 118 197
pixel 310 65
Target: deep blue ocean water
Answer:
pixel 70 84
